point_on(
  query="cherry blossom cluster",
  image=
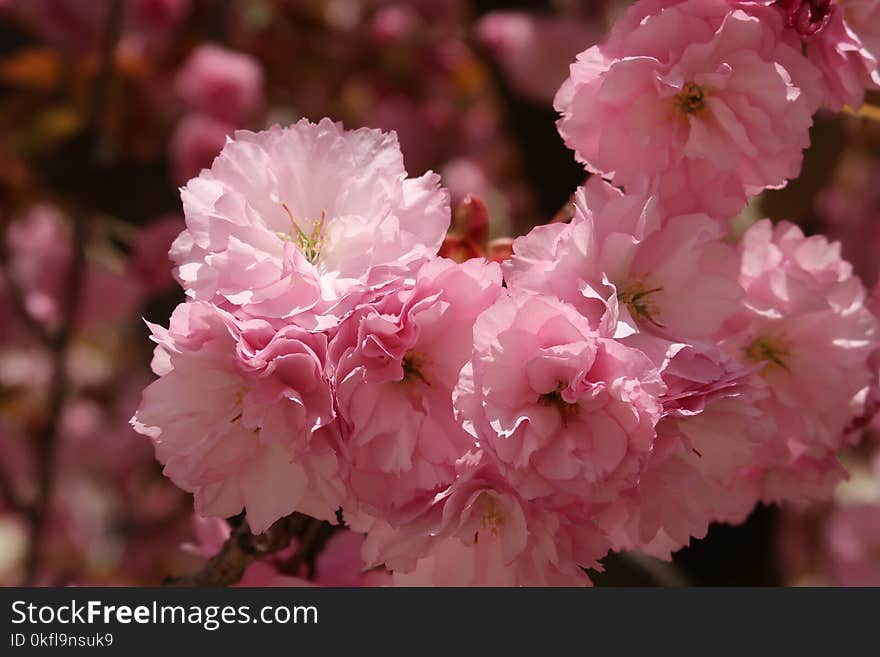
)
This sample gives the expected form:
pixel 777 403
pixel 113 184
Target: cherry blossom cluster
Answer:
pixel 620 382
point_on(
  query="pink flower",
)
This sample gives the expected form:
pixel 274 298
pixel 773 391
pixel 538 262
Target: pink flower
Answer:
pixel 396 360
pixel 223 83
pixel 862 17
pixel 196 141
pixel 617 261
pixel 292 221
pixel 846 64
pixel 689 85
pixel 240 415
pixel 852 541
pixel 805 323
pixel 39 242
pixel 710 430
pixel 481 532
pixel 519 42
pixel 568 412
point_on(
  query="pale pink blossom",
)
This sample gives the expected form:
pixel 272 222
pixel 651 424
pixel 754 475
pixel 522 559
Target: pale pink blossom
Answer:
pixel 291 222
pixel 395 362
pixel 240 416
pixel 568 412
pixel 692 84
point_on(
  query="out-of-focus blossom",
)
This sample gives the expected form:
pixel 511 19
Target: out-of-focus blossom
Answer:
pixel 222 83
pixel 521 44
pixel 197 140
pixel 149 262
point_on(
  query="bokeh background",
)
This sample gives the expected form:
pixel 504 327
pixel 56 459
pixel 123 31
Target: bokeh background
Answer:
pixel 108 106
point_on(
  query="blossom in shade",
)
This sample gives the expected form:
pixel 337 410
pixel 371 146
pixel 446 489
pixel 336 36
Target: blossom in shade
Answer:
pixel 291 222
pixel 710 430
pixel 241 416
pixel 806 325
pixel 482 532
pixel 223 83
pixel 689 84
pixel 395 362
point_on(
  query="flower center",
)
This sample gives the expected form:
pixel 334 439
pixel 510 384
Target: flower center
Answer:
pixel 492 518
pixel 806 17
pixel 637 297
pixel 413 363
pixel 691 99
pixel 309 243
pixel 554 398
pixel 773 351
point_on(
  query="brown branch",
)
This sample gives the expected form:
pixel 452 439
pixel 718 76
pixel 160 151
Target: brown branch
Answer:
pixel 242 549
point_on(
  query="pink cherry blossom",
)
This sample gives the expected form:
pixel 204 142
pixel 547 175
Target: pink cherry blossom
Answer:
pixel 710 430
pixel 807 326
pixel 481 532
pixel 292 221
pixel 223 83
pixel 240 415
pixel 395 361
pixel 567 411
pixel 691 85
pixel 196 141
pixel 149 262
pixel 617 260
pixel 847 66
pixel 852 539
